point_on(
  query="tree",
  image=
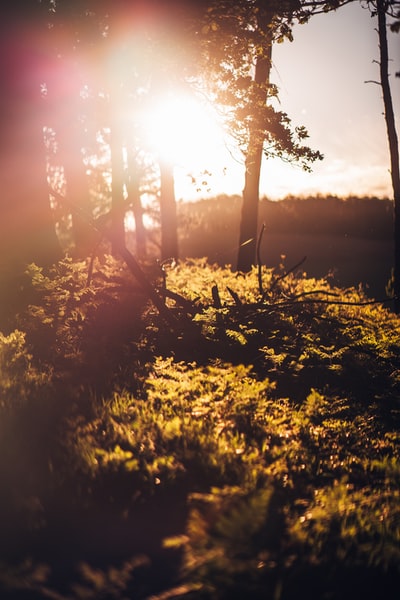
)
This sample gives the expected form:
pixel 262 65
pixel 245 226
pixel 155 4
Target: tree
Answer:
pixel 382 8
pixel 27 228
pixel 169 236
pixel 133 191
pixel 89 93
pixel 238 37
pixel 263 123
pixel 249 216
pixel 73 85
pixel 238 41
pixel 172 46
pixel 71 140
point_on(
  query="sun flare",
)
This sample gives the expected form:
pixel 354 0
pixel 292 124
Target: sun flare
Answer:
pixel 184 131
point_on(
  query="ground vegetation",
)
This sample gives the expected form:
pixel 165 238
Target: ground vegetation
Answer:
pixel 242 442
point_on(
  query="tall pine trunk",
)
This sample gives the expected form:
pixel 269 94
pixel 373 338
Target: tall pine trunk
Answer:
pixel 117 189
pixel 135 202
pixel 250 202
pixel 251 190
pixel 66 108
pixel 393 143
pixel 169 233
pixel 27 228
pixel 77 188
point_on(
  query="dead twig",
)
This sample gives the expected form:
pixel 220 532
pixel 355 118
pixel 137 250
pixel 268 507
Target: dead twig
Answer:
pixel 235 297
pixel 259 265
pixel 278 279
pixel 216 297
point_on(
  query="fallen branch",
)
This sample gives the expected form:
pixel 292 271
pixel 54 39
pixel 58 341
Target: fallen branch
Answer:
pixel 331 302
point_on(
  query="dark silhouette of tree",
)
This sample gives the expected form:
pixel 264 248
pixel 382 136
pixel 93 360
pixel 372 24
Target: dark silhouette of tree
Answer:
pixel 117 186
pixel 382 8
pixel 133 191
pixel 238 38
pixel 27 228
pixel 266 126
pixel 249 215
pixel 168 216
pixel 70 144
pixel 68 113
pixel 74 84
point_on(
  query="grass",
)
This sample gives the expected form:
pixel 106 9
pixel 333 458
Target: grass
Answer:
pixel 249 450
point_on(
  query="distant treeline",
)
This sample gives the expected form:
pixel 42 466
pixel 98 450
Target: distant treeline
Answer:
pixel 350 237
pixel 368 217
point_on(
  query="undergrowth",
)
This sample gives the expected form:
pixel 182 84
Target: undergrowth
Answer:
pixel 248 447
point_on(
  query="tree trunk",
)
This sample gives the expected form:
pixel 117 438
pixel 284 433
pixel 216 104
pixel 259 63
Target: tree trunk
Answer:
pixel 169 234
pixel 27 228
pixel 117 190
pixel 27 225
pixel 115 75
pixel 251 191
pixel 134 200
pixel 117 162
pixel 393 143
pixel 249 213
pixel 77 188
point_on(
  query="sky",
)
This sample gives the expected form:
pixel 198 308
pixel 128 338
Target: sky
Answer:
pixel 322 77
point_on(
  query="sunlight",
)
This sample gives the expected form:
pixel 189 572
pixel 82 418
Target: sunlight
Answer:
pixel 184 131
pixel 130 222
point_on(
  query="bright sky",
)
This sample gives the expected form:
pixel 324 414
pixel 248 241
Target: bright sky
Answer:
pixel 321 76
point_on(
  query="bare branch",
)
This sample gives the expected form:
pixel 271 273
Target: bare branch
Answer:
pixel 274 283
pixel 259 266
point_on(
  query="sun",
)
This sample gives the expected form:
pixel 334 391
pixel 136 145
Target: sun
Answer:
pixel 184 131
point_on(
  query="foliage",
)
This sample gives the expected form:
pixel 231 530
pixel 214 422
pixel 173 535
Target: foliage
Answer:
pixel 192 423
pixel 303 329
pixel 17 375
pixel 82 323
pixel 245 451
pixel 237 39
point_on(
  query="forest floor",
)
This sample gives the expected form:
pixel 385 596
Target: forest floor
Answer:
pixel 244 443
